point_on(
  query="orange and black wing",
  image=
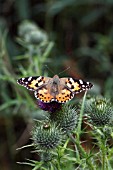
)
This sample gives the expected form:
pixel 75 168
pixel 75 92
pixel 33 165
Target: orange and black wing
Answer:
pixel 44 95
pixel 77 85
pixel 33 83
pixel 64 96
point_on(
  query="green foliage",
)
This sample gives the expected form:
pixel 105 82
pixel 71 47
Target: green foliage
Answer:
pixel 80 158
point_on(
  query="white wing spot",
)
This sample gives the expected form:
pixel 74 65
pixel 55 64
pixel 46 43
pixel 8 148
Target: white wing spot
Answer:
pixel 29 79
pixel 38 78
pixel 41 83
pixel 81 82
pixel 71 80
pixel 69 85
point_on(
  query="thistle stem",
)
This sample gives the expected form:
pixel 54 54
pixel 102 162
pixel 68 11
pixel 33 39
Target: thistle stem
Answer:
pixel 103 151
pixel 81 116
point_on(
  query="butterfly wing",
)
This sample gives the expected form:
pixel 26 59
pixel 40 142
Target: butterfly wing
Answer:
pixel 77 85
pixel 68 87
pixel 44 95
pixel 33 83
pixel 64 96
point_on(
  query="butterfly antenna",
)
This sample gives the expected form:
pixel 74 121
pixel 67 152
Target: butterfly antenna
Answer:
pixel 64 70
pixel 49 69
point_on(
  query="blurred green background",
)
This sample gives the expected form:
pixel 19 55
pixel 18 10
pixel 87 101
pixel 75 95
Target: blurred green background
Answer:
pixel 80 35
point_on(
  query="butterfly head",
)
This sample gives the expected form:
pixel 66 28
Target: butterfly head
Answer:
pixel 56 79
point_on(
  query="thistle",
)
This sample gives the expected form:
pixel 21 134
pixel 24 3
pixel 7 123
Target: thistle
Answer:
pixel 36 37
pixel 26 27
pixel 31 33
pixel 46 136
pixel 99 111
pixel 66 118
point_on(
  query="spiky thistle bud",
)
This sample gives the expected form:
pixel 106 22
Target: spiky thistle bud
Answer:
pixel 31 33
pixel 46 136
pixel 26 27
pixel 36 37
pixel 66 118
pixel 99 111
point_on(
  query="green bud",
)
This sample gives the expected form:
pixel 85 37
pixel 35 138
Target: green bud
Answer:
pixel 46 136
pixel 66 118
pixel 99 111
pixel 26 27
pixel 36 37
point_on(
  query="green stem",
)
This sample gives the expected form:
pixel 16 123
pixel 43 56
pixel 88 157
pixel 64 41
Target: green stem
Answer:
pixel 47 52
pixel 103 149
pixel 80 118
pixel 58 162
pixel 58 166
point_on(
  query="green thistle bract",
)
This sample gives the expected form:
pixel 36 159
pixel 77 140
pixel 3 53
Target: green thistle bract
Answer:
pixel 46 156
pixel 99 111
pixel 66 118
pixel 46 136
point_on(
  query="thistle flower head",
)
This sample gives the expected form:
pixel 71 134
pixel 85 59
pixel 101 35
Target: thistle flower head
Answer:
pixel 25 27
pixel 50 107
pixel 36 37
pixel 46 136
pixel 31 33
pixel 66 118
pixel 100 111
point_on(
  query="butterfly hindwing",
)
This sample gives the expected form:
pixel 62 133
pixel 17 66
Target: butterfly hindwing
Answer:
pixel 64 96
pixel 32 83
pixel 77 85
pixel 43 95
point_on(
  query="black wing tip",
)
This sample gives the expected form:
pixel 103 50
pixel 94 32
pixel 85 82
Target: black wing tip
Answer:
pixel 19 81
pixel 91 85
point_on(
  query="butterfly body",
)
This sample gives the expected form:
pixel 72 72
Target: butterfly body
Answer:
pixel 53 85
pixel 56 89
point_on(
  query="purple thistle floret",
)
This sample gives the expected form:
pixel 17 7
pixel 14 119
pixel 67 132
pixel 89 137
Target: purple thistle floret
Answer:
pixel 50 107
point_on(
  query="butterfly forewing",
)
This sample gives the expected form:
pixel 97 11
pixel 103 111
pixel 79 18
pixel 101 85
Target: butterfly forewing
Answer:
pixel 32 83
pixel 77 85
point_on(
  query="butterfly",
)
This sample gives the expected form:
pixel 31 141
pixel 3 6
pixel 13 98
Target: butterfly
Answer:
pixel 56 89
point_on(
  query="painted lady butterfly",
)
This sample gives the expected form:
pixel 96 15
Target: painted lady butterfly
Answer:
pixel 56 89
